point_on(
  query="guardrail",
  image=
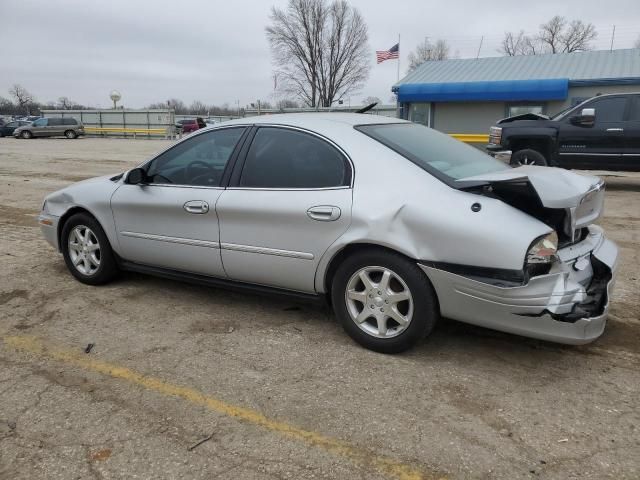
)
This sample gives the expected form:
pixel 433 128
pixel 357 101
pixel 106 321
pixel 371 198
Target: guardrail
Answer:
pixel 471 137
pixel 167 132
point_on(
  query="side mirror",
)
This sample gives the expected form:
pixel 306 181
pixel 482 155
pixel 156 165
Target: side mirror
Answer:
pixel 587 117
pixel 137 176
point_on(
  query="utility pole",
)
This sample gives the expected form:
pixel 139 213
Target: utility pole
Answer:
pixel 480 47
pixel 613 35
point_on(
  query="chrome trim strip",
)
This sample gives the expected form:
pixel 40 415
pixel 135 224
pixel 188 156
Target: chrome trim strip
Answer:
pixel 290 189
pixel 592 154
pixel 179 240
pixel 266 251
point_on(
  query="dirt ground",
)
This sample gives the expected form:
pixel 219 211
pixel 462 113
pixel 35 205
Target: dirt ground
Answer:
pixel 276 389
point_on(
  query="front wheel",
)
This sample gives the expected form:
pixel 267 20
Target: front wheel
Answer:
pixel 26 134
pixel 87 251
pixel 70 134
pixel 384 301
pixel 528 156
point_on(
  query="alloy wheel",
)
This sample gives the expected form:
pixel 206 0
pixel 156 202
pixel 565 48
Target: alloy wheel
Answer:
pixel 379 302
pixel 84 250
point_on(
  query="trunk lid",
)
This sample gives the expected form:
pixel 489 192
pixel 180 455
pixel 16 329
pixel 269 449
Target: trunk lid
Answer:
pixel 562 199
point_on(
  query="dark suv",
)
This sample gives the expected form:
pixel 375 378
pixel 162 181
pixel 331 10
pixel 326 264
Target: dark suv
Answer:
pixel 602 133
pixel 51 127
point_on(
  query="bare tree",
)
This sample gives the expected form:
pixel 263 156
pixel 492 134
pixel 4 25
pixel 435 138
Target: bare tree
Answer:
pixel 21 96
pixel 198 108
pixel 519 44
pixel 64 103
pixel 637 44
pixel 370 100
pixel 556 36
pixel 428 51
pixel 320 49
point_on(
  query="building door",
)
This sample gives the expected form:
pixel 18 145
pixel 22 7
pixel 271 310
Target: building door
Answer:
pixel 420 113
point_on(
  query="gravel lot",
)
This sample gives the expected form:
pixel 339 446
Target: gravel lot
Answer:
pixel 276 387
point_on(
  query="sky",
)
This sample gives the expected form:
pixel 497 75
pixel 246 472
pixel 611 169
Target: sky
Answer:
pixel 216 51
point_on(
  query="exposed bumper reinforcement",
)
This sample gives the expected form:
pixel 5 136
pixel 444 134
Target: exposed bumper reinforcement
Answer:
pixel 544 308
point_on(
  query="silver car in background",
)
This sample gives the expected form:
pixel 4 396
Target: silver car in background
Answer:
pixel 51 127
pixel 396 224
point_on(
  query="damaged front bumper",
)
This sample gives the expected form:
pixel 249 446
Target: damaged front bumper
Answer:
pixel 567 305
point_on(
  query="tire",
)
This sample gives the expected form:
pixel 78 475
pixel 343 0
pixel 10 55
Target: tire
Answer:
pixel 528 156
pixel 26 134
pixel 351 298
pixel 93 267
pixel 70 134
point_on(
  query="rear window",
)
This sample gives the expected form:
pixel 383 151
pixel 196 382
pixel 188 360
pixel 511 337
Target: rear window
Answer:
pixel 442 156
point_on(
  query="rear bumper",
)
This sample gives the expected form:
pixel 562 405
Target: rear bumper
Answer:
pixel 568 305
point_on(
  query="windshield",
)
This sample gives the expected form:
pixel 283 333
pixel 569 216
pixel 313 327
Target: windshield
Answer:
pixel 437 153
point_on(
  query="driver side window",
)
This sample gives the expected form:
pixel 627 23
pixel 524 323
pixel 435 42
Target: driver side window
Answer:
pixel 198 161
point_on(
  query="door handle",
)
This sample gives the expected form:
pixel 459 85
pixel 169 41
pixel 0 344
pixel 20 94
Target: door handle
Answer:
pixel 615 129
pixel 324 213
pixel 196 206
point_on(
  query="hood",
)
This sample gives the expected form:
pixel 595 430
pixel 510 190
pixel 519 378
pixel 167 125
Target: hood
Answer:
pixel 524 116
pixel 564 200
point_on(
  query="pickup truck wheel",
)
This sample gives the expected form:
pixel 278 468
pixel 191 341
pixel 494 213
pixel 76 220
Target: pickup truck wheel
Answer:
pixel 528 156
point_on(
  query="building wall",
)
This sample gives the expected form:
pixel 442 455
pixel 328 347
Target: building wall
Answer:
pixel 466 117
pixel 477 117
pixel 588 92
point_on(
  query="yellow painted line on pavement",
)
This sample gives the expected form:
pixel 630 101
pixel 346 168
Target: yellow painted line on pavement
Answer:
pixel 361 457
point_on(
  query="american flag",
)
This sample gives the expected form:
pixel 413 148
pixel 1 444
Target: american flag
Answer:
pixel 382 55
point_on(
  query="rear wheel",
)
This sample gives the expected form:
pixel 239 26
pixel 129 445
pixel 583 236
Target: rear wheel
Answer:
pixel 26 134
pixel 383 300
pixel 528 156
pixel 70 134
pixel 87 251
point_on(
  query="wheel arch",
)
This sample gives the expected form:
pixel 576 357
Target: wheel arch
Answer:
pixel 67 215
pixel 543 144
pixel 347 250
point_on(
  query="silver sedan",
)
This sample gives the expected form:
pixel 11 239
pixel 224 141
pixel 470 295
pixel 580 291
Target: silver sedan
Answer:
pixel 393 223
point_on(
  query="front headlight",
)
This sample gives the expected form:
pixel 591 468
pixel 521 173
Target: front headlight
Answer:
pixel 543 249
pixel 495 135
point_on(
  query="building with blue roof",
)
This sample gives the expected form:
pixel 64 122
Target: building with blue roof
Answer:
pixel 467 96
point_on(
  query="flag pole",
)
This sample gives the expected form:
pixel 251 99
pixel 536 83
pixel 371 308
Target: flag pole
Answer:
pixel 398 57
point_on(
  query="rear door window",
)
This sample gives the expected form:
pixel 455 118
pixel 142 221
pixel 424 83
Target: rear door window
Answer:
pixel 285 158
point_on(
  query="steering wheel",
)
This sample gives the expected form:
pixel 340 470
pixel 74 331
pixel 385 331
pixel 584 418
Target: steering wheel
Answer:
pixel 194 172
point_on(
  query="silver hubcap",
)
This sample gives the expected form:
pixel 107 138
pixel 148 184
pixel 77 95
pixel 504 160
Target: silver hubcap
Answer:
pixel 84 250
pixel 525 161
pixel 379 302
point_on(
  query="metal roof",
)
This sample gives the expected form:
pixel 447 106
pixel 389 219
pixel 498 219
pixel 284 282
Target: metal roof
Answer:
pixel 602 66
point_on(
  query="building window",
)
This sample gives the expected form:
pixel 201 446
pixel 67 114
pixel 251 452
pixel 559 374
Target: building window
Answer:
pixel 419 113
pixel 514 110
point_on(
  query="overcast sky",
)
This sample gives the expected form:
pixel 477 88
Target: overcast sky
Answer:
pixel 216 51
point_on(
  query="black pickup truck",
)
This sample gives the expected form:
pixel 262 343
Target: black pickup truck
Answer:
pixel 602 133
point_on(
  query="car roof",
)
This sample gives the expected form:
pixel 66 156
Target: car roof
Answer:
pixel 312 120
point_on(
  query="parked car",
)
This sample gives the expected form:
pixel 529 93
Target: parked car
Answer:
pixel 50 127
pixel 187 125
pixel 7 129
pixel 602 133
pixel 395 223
